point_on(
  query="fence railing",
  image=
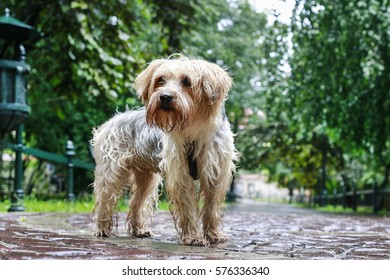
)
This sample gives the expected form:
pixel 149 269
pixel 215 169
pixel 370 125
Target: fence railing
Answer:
pixel 68 159
pixel 376 198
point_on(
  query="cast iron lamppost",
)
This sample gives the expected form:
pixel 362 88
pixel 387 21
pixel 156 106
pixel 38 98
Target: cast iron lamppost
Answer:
pixel 13 103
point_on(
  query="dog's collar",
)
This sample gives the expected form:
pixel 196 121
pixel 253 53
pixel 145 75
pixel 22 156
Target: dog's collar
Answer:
pixel 191 160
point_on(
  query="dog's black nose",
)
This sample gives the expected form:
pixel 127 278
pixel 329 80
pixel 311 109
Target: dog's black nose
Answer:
pixel 166 101
pixel 166 98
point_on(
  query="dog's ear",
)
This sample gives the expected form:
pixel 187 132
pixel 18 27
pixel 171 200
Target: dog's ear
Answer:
pixel 216 82
pixel 144 80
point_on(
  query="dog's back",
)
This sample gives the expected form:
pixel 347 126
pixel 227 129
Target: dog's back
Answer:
pixel 128 139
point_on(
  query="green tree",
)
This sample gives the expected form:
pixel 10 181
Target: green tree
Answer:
pixel 83 67
pixel 340 81
pixel 176 17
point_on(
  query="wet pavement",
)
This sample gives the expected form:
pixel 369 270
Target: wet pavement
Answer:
pixel 256 230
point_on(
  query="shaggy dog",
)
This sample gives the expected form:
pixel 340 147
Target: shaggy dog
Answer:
pixel 184 136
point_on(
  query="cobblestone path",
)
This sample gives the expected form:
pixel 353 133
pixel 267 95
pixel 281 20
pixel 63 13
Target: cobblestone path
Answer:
pixel 256 231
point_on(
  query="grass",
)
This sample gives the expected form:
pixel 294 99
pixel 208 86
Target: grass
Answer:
pixel 52 205
pixel 58 205
pixel 340 209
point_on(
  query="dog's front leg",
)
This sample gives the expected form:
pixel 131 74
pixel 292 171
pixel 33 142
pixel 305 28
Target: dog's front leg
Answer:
pixel 184 209
pixel 214 182
pixel 214 196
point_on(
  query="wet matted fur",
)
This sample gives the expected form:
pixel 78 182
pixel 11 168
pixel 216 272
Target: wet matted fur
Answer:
pixel 183 136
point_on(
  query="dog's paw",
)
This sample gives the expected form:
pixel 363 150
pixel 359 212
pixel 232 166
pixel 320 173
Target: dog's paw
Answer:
pixel 141 233
pixel 103 233
pixel 144 234
pixel 194 241
pixel 217 238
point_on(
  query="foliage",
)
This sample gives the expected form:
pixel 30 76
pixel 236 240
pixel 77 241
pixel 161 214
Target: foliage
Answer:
pixel 340 70
pixel 83 66
pixel 340 82
pixel 327 122
pixel 176 17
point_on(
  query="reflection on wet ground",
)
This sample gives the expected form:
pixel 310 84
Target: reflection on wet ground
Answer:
pixel 256 231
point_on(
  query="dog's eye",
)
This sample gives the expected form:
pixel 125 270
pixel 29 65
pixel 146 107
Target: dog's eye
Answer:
pixel 161 81
pixel 186 82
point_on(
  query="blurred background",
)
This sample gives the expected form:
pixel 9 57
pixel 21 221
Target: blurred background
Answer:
pixel 310 105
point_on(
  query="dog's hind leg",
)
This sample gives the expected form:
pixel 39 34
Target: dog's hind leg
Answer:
pixel 109 183
pixel 143 201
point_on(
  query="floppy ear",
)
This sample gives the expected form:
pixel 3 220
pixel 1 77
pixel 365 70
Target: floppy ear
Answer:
pixel 216 82
pixel 144 79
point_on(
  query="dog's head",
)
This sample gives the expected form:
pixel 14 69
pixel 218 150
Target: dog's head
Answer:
pixel 179 91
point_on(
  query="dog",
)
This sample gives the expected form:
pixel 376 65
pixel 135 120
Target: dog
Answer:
pixel 182 135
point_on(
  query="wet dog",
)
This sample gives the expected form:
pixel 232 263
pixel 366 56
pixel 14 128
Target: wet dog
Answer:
pixel 183 136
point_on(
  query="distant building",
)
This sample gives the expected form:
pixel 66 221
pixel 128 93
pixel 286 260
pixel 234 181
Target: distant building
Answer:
pixel 255 186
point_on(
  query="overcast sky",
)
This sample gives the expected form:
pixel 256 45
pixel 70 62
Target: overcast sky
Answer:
pixel 284 7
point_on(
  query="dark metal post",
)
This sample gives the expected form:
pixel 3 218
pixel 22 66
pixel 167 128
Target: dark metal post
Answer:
pixel 323 174
pixel 17 195
pixel 231 195
pixel 70 153
pixel 375 206
pixel 344 196
pixel 354 197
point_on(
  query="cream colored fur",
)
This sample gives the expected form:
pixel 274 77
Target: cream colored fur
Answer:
pixel 184 116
